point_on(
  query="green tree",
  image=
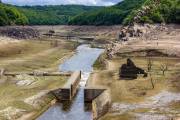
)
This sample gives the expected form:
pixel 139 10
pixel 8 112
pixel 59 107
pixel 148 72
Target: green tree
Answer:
pixel 9 15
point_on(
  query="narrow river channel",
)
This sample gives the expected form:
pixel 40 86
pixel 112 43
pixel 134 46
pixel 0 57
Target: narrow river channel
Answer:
pixel 83 60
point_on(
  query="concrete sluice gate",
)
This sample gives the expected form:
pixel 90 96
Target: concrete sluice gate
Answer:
pixel 73 96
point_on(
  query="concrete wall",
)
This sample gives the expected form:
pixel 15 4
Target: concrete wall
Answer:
pixel 101 105
pixel 70 88
pixel 100 100
pixel 75 83
pixel 65 94
pixel 91 93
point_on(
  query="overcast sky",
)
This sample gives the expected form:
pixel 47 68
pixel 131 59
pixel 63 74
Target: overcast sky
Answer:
pixel 59 2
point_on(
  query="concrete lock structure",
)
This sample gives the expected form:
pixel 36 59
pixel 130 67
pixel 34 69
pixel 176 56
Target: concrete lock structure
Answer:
pixel 98 98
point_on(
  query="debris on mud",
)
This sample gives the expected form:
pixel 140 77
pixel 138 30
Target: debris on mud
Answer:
pixel 19 32
pixel 25 80
pixel 36 100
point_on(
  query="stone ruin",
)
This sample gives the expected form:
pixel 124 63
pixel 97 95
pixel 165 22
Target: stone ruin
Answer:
pixel 130 71
pixel 130 31
pixel 133 29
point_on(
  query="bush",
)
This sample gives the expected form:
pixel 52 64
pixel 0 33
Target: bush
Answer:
pixel 3 17
pixel 145 19
pixel 156 17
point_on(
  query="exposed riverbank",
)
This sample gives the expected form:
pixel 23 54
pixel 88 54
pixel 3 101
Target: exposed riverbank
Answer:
pixel 134 99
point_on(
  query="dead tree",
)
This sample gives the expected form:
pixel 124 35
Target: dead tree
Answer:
pixel 152 83
pixel 55 43
pixel 164 68
pixel 149 64
pixel 149 68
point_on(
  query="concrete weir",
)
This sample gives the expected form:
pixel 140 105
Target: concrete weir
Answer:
pixel 70 88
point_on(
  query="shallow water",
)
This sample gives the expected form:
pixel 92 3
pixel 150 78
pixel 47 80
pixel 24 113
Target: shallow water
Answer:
pixel 83 60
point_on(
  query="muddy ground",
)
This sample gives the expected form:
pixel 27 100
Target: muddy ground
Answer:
pixel 137 99
pixel 24 96
pixel 130 99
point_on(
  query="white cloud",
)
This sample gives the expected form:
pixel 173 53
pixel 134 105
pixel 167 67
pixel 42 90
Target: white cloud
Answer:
pixel 58 2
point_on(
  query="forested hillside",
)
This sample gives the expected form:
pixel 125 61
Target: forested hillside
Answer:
pixel 53 15
pixel 165 11
pixel 156 11
pixel 9 15
pixel 107 16
pixel 125 12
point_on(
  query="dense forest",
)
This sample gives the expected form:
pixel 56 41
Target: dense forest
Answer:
pixel 53 15
pixel 9 15
pixel 167 11
pixel 108 16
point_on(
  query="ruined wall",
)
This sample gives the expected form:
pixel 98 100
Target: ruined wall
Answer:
pixel 100 105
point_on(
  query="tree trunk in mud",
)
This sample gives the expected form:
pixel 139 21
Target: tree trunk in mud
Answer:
pixel 152 83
